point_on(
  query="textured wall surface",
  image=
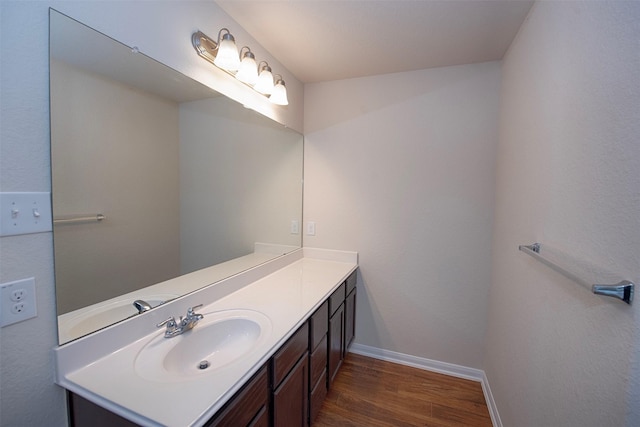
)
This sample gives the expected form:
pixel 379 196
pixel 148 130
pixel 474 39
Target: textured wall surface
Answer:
pixel 400 168
pixel 568 176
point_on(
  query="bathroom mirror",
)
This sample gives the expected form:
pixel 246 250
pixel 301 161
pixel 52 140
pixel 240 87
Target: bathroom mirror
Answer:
pixel 156 178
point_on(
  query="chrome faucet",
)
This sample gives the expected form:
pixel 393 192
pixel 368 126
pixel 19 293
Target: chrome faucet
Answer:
pixel 184 324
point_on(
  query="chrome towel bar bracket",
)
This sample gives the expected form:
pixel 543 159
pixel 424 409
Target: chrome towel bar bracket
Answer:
pixel 623 290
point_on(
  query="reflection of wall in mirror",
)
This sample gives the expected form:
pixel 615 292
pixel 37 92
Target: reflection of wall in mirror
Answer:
pixel 115 152
pixel 250 171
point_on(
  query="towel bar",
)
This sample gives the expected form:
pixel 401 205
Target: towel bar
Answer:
pixel 622 290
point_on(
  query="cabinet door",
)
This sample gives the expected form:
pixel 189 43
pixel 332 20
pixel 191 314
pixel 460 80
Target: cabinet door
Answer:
pixel 336 342
pixel 290 399
pixel 349 320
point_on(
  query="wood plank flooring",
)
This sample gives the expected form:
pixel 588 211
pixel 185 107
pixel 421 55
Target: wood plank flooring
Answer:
pixel 372 393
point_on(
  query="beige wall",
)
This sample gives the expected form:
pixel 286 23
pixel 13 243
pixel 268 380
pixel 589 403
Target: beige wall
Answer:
pixel 569 177
pixel 400 168
pixel 127 169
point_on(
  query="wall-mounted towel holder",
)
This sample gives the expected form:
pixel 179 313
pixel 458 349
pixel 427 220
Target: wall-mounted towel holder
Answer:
pixel 623 290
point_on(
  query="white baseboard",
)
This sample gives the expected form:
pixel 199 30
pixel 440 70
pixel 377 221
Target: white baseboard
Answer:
pixel 491 403
pixel 434 366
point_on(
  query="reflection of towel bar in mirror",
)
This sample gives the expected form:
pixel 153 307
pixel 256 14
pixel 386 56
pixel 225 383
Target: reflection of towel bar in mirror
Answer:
pixel 80 218
pixel 623 290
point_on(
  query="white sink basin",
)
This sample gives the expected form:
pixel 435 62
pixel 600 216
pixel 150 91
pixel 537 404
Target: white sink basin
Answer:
pixel 219 340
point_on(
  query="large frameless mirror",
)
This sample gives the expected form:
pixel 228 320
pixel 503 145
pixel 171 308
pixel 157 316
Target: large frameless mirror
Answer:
pixel 160 184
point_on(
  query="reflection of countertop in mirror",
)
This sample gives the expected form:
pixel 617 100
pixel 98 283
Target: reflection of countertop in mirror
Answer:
pixel 287 290
pixel 86 320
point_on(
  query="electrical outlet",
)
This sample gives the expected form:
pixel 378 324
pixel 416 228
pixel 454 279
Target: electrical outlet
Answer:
pixel 17 301
pixel 18 295
pixel 18 308
pixel 295 226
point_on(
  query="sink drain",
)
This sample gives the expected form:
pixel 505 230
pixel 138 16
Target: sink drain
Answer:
pixel 203 365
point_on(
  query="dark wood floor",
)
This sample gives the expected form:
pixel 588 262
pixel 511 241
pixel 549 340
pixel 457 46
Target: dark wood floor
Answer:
pixel 373 393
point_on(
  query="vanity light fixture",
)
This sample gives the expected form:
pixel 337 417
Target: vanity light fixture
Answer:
pixel 224 55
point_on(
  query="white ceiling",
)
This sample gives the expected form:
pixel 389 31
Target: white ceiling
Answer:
pixel 323 40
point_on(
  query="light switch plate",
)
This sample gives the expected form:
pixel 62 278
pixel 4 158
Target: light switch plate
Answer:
pixel 25 213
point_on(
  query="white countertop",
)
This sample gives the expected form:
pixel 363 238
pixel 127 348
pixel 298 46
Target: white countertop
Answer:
pixel 287 295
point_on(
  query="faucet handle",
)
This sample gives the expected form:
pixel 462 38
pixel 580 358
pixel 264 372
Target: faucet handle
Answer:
pixel 170 322
pixel 191 310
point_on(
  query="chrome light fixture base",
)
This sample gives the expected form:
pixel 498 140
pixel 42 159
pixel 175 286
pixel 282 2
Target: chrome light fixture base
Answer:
pixel 205 47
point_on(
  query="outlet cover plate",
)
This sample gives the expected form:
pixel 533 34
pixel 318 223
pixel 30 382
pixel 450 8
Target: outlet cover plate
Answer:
pixel 17 301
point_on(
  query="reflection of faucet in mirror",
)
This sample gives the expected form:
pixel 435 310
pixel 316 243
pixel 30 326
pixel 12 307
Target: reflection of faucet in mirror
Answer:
pixel 141 306
pixel 186 323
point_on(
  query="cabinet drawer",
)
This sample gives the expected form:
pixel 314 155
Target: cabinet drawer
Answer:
pixel 290 353
pixel 351 282
pixel 317 396
pixel 318 325
pixel 318 360
pixel 337 298
pixel 246 406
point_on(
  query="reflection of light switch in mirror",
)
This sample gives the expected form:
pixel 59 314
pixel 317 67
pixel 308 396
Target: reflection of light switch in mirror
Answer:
pixel 311 228
pixel 295 226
